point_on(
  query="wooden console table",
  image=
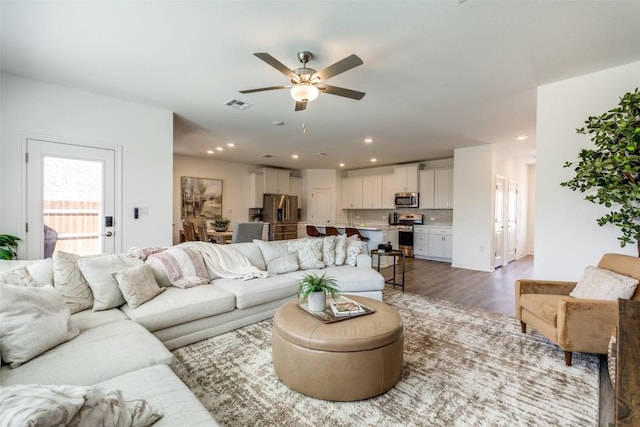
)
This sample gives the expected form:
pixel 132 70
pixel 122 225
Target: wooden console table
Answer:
pixel 628 364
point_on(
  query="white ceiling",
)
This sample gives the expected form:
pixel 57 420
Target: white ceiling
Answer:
pixel 438 74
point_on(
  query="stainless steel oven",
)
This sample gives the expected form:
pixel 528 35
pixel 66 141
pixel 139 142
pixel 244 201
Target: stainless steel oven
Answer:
pixel 405 231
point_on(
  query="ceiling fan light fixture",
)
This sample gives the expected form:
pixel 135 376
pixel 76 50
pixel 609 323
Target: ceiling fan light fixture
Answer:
pixel 304 92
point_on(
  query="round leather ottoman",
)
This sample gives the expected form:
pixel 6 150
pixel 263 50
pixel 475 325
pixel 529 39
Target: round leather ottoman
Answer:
pixel 349 360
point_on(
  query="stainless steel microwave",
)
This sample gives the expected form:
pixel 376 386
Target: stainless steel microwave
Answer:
pixel 407 200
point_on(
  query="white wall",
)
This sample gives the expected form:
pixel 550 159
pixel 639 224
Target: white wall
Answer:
pixel 473 208
pixel 33 108
pixel 567 237
pixel 235 186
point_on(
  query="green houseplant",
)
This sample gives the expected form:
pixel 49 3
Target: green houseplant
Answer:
pixel 8 246
pixel 315 288
pixel 220 223
pixel 610 172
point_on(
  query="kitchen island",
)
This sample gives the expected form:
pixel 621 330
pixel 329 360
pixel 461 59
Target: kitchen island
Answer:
pixel 376 233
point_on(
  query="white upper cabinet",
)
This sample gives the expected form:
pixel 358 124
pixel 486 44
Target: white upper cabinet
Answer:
pixel 372 192
pixel 352 192
pixel 256 189
pixel 443 189
pixel 276 181
pixel 427 189
pixel 388 191
pixel 406 178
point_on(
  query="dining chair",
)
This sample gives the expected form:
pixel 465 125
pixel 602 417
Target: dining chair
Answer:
pixel 189 231
pixel 246 232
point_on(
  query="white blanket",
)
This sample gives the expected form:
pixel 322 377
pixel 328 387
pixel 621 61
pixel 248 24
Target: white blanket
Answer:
pixel 71 405
pixel 226 262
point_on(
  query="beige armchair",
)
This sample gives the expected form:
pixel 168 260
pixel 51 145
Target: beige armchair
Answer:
pixel 581 325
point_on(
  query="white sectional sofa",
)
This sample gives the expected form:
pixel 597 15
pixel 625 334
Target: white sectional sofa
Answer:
pixel 127 348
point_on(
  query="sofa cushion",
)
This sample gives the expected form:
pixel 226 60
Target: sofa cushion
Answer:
pixel 309 252
pixel 329 250
pixel 350 279
pixel 33 320
pixel 18 277
pixel 355 247
pixel 272 250
pixel 252 252
pixel 598 283
pixel 341 249
pixel 87 319
pixel 41 270
pixel 175 306
pixel 95 355
pixel 98 272
pixel 284 264
pixel 137 284
pixel 250 293
pixel 164 392
pixel 544 306
pixel 72 285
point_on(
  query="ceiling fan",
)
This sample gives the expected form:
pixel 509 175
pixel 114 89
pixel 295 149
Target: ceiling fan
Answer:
pixel 307 83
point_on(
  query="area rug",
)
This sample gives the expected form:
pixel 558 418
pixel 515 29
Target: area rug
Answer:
pixel 462 367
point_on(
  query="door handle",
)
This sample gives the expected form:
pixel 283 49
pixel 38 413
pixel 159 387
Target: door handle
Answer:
pixel 107 234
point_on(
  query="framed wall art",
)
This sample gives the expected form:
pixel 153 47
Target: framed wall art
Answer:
pixel 201 197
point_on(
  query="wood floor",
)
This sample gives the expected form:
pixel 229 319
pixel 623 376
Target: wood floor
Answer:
pixel 490 291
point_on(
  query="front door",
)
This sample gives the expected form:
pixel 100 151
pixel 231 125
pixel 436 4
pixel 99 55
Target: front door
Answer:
pixel 321 206
pixel 70 199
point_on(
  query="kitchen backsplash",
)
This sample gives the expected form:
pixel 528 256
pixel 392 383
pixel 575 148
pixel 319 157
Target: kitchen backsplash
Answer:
pixel 431 216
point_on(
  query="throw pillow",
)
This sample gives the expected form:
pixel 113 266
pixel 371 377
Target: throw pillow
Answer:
pixel 309 252
pixel 272 250
pixel 97 271
pixel 33 321
pixel 354 248
pixel 18 277
pixel 70 282
pixel 341 249
pixel 137 284
pixel 329 250
pixel 183 266
pixel 284 264
pixel 597 283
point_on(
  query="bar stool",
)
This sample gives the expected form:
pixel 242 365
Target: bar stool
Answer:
pixel 331 231
pixel 312 231
pixel 355 232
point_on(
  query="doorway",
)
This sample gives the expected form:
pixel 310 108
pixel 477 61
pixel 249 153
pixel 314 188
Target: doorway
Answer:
pixel 71 199
pixel 498 224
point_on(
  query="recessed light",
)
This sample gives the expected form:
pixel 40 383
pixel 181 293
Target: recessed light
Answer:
pixel 294 156
pixel 341 165
pixel 219 148
pixel 521 137
pixel 210 151
pixel 368 140
pixel 374 160
pixel 231 144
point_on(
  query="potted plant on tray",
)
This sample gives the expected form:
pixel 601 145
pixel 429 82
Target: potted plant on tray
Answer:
pixel 8 246
pixel 315 288
pixel 220 223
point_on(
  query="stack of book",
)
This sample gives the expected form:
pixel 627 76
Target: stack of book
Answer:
pixel 346 307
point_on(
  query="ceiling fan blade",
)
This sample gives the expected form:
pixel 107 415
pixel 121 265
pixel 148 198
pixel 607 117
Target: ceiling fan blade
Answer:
pixel 276 64
pixel 262 89
pixel 340 91
pixel 341 66
pixel 301 106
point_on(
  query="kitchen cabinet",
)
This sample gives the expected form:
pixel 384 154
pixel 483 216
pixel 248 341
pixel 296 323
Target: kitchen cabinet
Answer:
pixel 443 197
pixel 256 189
pixel 427 189
pixel 406 178
pixel 436 189
pixel 372 192
pixel 388 191
pixel 352 192
pixel 433 242
pixel 276 181
pixel 295 189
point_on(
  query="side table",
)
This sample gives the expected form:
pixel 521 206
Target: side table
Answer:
pixel 394 253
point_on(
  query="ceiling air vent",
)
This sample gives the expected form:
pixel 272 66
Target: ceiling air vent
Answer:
pixel 237 104
pixel 319 154
pixel 266 156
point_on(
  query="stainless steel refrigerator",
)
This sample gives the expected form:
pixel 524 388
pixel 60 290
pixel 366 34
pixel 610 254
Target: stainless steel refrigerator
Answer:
pixel 281 212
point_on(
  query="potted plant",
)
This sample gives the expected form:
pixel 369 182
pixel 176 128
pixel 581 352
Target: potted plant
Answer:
pixel 610 172
pixel 314 289
pixel 8 246
pixel 220 223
